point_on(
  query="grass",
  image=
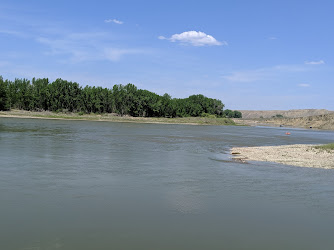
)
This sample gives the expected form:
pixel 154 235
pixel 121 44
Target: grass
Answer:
pixel 116 118
pixel 327 147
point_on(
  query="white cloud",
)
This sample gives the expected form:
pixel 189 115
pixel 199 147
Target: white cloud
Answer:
pixel 315 62
pixel 245 76
pixel 263 73
pixel 288 68
pixel 113 21
pixel 162 38
pixel 82 47
pixel 304 85
pixel 114 54
pixel 13 33
pixel 195 38
pixel 272 38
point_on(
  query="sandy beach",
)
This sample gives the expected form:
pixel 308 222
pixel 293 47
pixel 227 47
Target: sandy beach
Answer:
pixel 296 155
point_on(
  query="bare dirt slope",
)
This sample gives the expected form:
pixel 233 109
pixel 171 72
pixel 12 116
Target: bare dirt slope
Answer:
pixel 319 121
pixel 293 113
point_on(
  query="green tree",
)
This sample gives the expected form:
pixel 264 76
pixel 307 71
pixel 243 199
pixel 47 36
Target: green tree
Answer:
pixel 237 114
pixel 62 95
pixel 40 94
pixel 4 100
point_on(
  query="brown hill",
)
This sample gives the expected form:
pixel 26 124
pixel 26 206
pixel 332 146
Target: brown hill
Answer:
pixel 319 121
pixel 293 113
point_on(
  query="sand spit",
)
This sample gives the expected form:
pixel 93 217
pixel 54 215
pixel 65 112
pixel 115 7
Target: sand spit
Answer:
pixel 297 155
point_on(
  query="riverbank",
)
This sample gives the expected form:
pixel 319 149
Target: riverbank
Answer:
pixel 297 155
pixel 116 118
pixel 325 122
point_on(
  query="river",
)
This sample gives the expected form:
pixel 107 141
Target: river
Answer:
pixel 103 185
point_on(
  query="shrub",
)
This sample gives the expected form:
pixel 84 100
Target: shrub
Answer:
pixel 327 147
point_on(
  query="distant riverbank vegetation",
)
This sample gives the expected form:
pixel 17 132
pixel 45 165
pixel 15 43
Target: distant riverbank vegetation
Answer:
pixel 66 96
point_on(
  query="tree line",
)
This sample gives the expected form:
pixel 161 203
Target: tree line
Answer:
pixel 66 96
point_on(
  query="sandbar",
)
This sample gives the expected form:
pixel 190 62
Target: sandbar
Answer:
pixel 302 155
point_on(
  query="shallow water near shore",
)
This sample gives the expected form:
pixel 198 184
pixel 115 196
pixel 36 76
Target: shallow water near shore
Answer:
pixel 103 185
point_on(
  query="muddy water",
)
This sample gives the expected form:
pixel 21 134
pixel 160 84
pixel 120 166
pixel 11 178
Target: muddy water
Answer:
pixel 102 185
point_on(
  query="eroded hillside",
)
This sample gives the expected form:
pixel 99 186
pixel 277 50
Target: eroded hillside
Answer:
pixel 319 121
pixel 293 113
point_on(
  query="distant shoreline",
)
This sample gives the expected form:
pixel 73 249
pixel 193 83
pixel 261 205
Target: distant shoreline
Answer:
pixel 115 118
pixel 295 118
pixel 296 155
pixel 323 122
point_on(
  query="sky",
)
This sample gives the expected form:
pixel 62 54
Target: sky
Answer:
pixel 252 55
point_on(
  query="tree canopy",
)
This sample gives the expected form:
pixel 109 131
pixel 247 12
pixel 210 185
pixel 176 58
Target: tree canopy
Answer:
pixel 66 96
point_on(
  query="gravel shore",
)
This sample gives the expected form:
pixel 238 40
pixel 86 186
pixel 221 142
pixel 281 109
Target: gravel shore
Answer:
pixel 297 155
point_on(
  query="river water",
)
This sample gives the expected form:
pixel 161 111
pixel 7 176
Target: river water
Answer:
pixel 103 185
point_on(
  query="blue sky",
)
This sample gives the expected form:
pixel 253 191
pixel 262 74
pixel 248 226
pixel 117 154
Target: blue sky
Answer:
pixel 249 54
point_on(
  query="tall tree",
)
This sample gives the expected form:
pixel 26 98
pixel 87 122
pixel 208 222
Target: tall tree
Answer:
pixel 4 100
pixel 62 95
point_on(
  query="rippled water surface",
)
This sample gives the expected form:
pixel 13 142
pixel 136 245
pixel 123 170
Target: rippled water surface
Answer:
pixel 103 185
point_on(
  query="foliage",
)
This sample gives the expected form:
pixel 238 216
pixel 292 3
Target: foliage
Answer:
pixel 66 96
pixel 208 115
pixel 278 116
pixel 232 114
pixel 327 147
pixel 4 104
